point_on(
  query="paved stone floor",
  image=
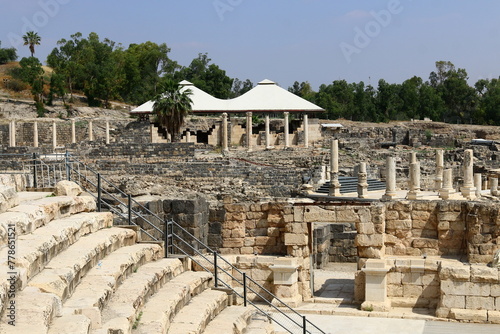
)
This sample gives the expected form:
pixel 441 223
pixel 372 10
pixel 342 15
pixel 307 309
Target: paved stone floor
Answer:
pixel 334 312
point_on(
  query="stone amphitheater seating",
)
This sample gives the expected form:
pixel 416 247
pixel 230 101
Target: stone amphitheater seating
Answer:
pixel 77 273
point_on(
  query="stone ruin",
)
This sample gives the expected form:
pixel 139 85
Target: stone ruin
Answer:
pixel 428 240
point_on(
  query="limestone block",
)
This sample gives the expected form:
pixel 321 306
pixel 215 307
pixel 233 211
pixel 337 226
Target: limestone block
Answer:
pixel 448 216
pixel 443 226
pixel 410 290
pixel 481 273
pixel 346 215
pixel 295 239
pixel 430 279
pixel 477 289
pixel 261 275
pixel 495 290
pixel 8 198
pixel 246 250
pixel 370 252
pixel 449 301
pixel 365 228
pixel 425 243
pixel 494 317
pixel 374 240
pixel 479 303
pixel 273 232
pixel 454 288
pixel 394 278
pixel 420 215
pixel 394 290
pixel 298 214
pixel 431 292
pixel 233 243
pixel 454 271
pixel 287 291
pixel 403 265
pixel 265 241
pixel 298 228
pixel 399 224
pixel 469 315
pixel 391 215
pixel 412 278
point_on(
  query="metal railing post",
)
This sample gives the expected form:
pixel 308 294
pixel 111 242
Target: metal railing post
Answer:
pixel 215 269
pixel 99 193
pixel 35 176
pixel 245 289
pixel 166 239
pixel 129 209
pixel 304 324
pixel 68 169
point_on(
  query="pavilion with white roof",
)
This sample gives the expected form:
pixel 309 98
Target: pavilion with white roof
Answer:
pixel 266 98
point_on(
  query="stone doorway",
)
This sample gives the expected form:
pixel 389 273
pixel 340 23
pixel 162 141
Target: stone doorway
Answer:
pixel 334 261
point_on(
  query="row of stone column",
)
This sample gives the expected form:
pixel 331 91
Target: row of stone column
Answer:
pixel 267 131
pixel 443 182
pixel 12 133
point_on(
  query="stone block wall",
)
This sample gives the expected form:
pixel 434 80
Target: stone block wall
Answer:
pixel 469 292
pixel 322 238
pixel 343 247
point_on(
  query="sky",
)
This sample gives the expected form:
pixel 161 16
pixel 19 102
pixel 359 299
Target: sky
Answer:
pixel 317 41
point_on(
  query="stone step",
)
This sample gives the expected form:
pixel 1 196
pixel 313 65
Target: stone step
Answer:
pixel 161 308
pixel 232 320
pixel 122 310
pixel 70 324
pixel 34 311
pixel 259 324
pixel 194 317
pixel 8 198
pixel 63 273
pixel 31 215
pixel 36 249
pixel 96 288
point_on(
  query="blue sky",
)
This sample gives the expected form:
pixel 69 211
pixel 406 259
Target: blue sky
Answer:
pixel 283 40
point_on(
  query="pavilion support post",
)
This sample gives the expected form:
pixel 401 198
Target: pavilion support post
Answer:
pixel 54 135
pixel 249 131
pixel 73 132
pixel 306 130
pixel 225 147
pixel 35 134
pixel 91 134
pixel 287 129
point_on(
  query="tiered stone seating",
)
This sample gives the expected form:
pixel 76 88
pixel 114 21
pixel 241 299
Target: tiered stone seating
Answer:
pixel 76 273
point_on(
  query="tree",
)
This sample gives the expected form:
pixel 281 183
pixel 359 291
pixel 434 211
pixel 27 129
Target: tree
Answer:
pixel 7 55
pixel 31 72
pixel 172 106
pixel 31 39
pixel 240 87
pixel 208 77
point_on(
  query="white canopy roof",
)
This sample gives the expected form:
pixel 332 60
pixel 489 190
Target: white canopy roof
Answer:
pixel 265 97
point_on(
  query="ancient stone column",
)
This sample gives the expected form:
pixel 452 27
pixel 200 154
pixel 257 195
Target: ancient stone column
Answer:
pixel 268 134
pixel 107 132
pixel 249 131
pixel 413 157
pixel 494 186
pixel 447 188
pixel 306 131
pixel 54 135
pixel 414 181
pixel 362 181
pixel 12 133
pixel 334 168
pixel 91 135
pixel 468 190
pixel 478 183
pixel 188 136
pixel 73 132
pixel 287 128
pixel 376 286
pixel 390 179
pixel 35 134
pixel 438 181
pixel 225 147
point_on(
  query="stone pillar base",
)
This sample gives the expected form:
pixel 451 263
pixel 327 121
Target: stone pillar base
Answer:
pixel 468 192
pixel 413 195
pixel 388 196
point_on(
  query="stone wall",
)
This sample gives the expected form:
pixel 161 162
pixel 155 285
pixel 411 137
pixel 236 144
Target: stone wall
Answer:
pixel 469 292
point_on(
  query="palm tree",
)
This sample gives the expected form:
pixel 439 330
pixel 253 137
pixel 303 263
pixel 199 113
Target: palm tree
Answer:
pixel 31 38
pixel 172 106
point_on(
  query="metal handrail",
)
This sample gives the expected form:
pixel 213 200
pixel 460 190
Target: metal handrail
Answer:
pixel 70 161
